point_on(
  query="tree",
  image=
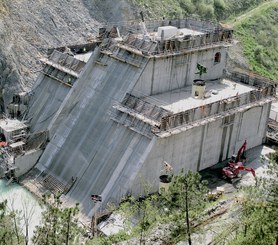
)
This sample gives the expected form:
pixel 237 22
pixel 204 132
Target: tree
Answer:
pixel 179 206
pixel 201 69
pixel 27 215
pixel 59 225
pixel 258 210
pixel 140 214
pixel 219 8
pixel 185 199
pixel 10 232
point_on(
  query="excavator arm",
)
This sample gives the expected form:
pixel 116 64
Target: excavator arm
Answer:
pixel 241 151
pixel 245 168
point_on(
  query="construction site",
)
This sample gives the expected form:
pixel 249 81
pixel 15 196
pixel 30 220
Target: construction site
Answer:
pixel 102 118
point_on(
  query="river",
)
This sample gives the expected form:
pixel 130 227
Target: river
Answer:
pixel 21 200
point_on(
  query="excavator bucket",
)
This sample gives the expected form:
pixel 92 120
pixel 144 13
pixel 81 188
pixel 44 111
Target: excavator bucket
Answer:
pixel 250 170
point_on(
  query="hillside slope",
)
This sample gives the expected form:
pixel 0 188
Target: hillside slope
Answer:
pixel 257 31
pixel 254 21
pixel 205 9
pixel 29 27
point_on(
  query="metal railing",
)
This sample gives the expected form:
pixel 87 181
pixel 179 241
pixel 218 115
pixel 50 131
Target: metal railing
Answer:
pixel 264 90
pixel 179 45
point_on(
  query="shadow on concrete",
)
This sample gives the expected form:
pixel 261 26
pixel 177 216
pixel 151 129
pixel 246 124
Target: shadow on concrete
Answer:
pixel 254 160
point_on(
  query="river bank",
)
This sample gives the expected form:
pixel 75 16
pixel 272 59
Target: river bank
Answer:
pixel 22 201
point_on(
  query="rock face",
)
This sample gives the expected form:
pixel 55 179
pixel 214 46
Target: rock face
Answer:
pixel 29 27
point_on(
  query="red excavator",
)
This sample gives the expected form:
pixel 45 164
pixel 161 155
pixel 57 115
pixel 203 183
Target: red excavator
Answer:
pixel 235 165
pixel 3 144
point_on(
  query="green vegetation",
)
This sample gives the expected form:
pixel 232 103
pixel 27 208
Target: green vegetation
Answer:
pixel 257 29
pixel 205 9
pixel 185 200
pixel 258 212
pixel 181 206
pixel 181 209
pixel 58 226
pixel 140 217
pixel 258 33
pixel 9 226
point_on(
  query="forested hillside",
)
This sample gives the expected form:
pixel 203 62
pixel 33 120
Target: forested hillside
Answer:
pixel 206 9
pixel 258 33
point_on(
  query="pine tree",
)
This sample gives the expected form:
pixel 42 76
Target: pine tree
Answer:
pixel 185 200
pixel 10 232
pixel 59 225
pixel 258 211
pixel 179 206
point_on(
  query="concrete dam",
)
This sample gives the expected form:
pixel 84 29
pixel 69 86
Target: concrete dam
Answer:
pixel 102 120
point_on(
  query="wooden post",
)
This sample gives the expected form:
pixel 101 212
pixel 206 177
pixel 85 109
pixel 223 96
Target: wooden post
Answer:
pixel 95 198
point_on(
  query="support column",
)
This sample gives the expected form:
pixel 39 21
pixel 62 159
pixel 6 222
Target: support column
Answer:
pixel 203 141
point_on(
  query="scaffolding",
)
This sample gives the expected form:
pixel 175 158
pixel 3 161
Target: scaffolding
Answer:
pixel 62 67
pixel 133 111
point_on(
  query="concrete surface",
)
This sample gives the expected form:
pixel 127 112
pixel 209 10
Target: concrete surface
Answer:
pixel 180 99
pixel 274 111
pixel 164 74
pixel 111 148
pixel 27 161
pixel 87 144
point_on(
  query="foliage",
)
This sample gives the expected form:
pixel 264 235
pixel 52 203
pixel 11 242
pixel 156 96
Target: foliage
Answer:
pixel 59 225
pixel 10 233
pixel 186 199
pixel 259 210
pixel 181 204
pixel 114 239
pixel 258 34
pixel 219 7
pixel 140 215
pixel 206 9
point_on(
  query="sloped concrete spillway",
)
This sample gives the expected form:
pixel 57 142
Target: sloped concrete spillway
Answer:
pixel 130 109
pixel 50 89
pixel 86 145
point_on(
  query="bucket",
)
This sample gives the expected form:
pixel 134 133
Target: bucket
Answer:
pixel 164 183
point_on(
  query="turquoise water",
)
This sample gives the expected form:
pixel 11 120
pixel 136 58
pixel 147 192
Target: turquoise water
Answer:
pixel 23 201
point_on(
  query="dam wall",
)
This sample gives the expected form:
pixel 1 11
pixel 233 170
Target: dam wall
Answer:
pixel 87 146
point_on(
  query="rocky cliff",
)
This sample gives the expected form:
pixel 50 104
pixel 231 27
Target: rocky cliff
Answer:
pixel 29 27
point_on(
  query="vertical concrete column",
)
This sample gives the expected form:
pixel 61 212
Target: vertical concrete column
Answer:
pixel 268 108
pixel 203 140
pixel 229 140
pixel 239 126
pixel 223 140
